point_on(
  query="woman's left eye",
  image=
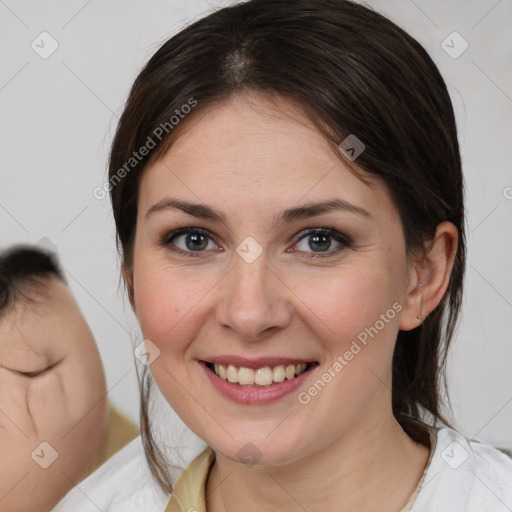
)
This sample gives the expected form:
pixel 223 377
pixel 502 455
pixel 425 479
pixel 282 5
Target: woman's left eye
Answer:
pixel 192 242
pixel 321 241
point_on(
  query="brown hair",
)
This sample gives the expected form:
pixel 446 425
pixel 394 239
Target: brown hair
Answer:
pixel 353 71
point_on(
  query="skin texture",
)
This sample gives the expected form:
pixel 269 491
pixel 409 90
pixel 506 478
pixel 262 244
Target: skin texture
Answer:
pixel 252 158
pixel 63 406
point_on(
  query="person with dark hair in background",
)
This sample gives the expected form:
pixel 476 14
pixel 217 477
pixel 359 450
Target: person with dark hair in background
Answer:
pixel 56 423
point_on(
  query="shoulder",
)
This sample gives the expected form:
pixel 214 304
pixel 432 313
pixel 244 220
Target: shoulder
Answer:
pixel 123 484
pixel 465 475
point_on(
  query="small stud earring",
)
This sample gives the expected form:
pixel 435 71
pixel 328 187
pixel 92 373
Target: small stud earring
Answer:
pixel 418 317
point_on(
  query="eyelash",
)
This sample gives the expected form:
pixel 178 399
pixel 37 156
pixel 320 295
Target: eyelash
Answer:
pixel 344 240
pixel 31 375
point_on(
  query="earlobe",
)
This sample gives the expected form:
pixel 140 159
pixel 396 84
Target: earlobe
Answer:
pixel 430 276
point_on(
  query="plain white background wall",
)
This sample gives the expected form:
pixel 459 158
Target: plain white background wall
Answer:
pixel 58 114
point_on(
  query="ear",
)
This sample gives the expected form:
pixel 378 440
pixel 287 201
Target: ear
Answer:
pixel 128 279
pixel 429 277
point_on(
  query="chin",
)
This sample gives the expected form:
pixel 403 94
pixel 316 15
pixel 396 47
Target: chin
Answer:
pixel 258 450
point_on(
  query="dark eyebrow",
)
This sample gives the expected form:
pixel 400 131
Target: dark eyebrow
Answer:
pixel 195 209
pixel 312 209
pixel 291 214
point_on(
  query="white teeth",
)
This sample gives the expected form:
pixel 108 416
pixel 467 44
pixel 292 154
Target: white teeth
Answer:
pixel 278 373
pixel 289 373
pixel 246 376
pixel 265 376
pixel 232 373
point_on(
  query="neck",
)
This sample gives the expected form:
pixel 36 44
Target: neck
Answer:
pixel 375 467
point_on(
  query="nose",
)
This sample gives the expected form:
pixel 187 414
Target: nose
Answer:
pixel 254 301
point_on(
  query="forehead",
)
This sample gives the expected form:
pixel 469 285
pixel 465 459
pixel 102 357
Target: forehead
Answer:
pixel 35 321
pixel 264 151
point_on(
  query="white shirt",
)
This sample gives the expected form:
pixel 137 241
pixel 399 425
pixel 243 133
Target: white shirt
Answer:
pixel 122 484
pixel 463 476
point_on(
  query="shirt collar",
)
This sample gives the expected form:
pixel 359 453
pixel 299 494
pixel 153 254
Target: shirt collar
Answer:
pixel 189 492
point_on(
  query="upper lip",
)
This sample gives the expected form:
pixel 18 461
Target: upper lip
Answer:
pixel 260 362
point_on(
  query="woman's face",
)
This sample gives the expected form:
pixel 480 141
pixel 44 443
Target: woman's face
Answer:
pixel 253 282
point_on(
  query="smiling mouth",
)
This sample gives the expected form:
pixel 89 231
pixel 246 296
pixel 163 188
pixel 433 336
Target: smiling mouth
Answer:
pixel 260 377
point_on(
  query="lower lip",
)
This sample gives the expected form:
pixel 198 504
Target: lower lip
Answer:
pixel 255 394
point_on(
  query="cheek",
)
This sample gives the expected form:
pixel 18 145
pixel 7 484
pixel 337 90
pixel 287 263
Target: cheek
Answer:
pixel 168 302
pixel 346 305
pixel 54 401
pixel 15 420
pixel 68 402
pixel 69 408
pixel 63 408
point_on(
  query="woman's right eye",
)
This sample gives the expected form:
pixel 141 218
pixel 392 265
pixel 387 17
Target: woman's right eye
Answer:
pixel 189 241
